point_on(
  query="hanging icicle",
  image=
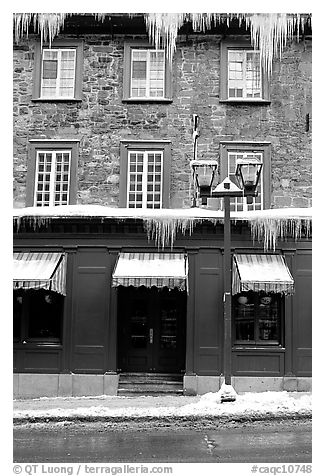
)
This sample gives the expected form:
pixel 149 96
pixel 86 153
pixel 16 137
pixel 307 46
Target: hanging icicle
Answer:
pixel 269 31
pixel 48 25
pixel 267 226
pixel 270 230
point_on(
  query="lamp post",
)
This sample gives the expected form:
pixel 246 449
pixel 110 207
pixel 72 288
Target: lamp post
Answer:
pixel 247 175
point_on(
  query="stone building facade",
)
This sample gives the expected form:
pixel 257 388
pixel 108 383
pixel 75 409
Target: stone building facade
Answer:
pixel 102 119
pixel 85 328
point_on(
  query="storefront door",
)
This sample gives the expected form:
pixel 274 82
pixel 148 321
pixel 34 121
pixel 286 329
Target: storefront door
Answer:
pixel 151 330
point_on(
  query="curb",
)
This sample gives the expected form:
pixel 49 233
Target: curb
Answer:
pixel 163 419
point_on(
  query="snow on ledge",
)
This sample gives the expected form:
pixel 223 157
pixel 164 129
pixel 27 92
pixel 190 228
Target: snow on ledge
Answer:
pixel 101 211
pixel 162 225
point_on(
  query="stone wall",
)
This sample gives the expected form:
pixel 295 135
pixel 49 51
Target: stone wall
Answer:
pixel 101 120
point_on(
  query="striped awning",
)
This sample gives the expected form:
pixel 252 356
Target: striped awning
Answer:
pixel 151 269
pixel 261 272
pixel 40 271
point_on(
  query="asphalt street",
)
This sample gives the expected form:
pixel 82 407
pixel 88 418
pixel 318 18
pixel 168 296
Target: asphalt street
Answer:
pixel 267 441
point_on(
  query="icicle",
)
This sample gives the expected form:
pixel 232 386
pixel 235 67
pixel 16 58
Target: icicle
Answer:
pixel 269 31
pixel 270 230
pixel 163 230
pixel 47 24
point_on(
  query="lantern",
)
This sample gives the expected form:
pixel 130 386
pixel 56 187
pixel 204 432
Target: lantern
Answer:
pixel 204 172
pixel 248 173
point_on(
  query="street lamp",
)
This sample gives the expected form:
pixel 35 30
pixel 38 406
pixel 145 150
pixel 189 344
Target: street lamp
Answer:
pixel 244 184
pixel 204 172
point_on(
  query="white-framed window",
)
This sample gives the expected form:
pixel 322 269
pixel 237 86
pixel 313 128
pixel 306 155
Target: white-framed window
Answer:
pixel 58 70
pixel 147 73
pixel 240 203
pixel 244 74
pixel 52 177
pixel 145 179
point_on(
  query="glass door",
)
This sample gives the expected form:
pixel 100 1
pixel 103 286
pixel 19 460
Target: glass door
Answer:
pixel 151 330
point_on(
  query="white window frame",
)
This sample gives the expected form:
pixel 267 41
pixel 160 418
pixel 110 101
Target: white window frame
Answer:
pixel 244 80
pixel 148 62
pixel 57 95
pixel 52 175
pixel 144 177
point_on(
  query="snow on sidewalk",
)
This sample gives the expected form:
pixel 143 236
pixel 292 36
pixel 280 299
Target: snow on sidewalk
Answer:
pixel 264 405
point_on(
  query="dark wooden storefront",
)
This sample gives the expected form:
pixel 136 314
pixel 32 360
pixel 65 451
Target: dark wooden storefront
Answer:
pixel 99 322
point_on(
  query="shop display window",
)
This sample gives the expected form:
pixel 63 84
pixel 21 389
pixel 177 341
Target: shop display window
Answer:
pixel 37 316
pixel 257 318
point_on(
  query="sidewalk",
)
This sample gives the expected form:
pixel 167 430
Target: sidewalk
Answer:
pixel 247 407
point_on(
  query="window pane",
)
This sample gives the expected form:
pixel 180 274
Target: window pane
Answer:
pixel 139 70
pixel 45 314
pixel 50 69
pixel 244 312
pixel 268 314
pixel 62 180
pixel 17 314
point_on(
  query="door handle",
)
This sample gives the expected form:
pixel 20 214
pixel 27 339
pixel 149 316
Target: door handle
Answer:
pixel 151 336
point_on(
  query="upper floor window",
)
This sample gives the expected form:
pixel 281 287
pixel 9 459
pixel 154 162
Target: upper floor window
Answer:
pixel 144 179
pixel 147 74
pixel 58 71
pixel 51 175
pixel 230 153
pixel 242 75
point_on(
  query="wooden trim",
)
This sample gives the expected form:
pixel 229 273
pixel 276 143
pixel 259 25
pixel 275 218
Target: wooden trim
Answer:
pixel 75 43
pixel 244 44
pixel 112 318
pixel 190 313
pixel 51 145
pixel 128 46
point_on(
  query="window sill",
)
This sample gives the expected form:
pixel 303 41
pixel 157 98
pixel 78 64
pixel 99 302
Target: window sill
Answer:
pixel 56 100
pixel 147 100
pixel 257 102
pixel 272 347
pixel 38 343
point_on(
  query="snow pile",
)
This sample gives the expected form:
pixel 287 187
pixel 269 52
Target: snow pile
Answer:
pixel 249 405
pixel 255 403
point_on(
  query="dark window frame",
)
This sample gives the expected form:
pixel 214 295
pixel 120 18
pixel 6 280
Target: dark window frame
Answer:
pixel 165 147
pixel 51 145
pixel 142 44
pixel 25 333
pixel 250 146
pixel 239 44
pixel 60 44
pixel 256 342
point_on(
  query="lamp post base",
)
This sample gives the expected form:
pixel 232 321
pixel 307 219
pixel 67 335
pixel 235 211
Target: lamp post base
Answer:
pixel 227 393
